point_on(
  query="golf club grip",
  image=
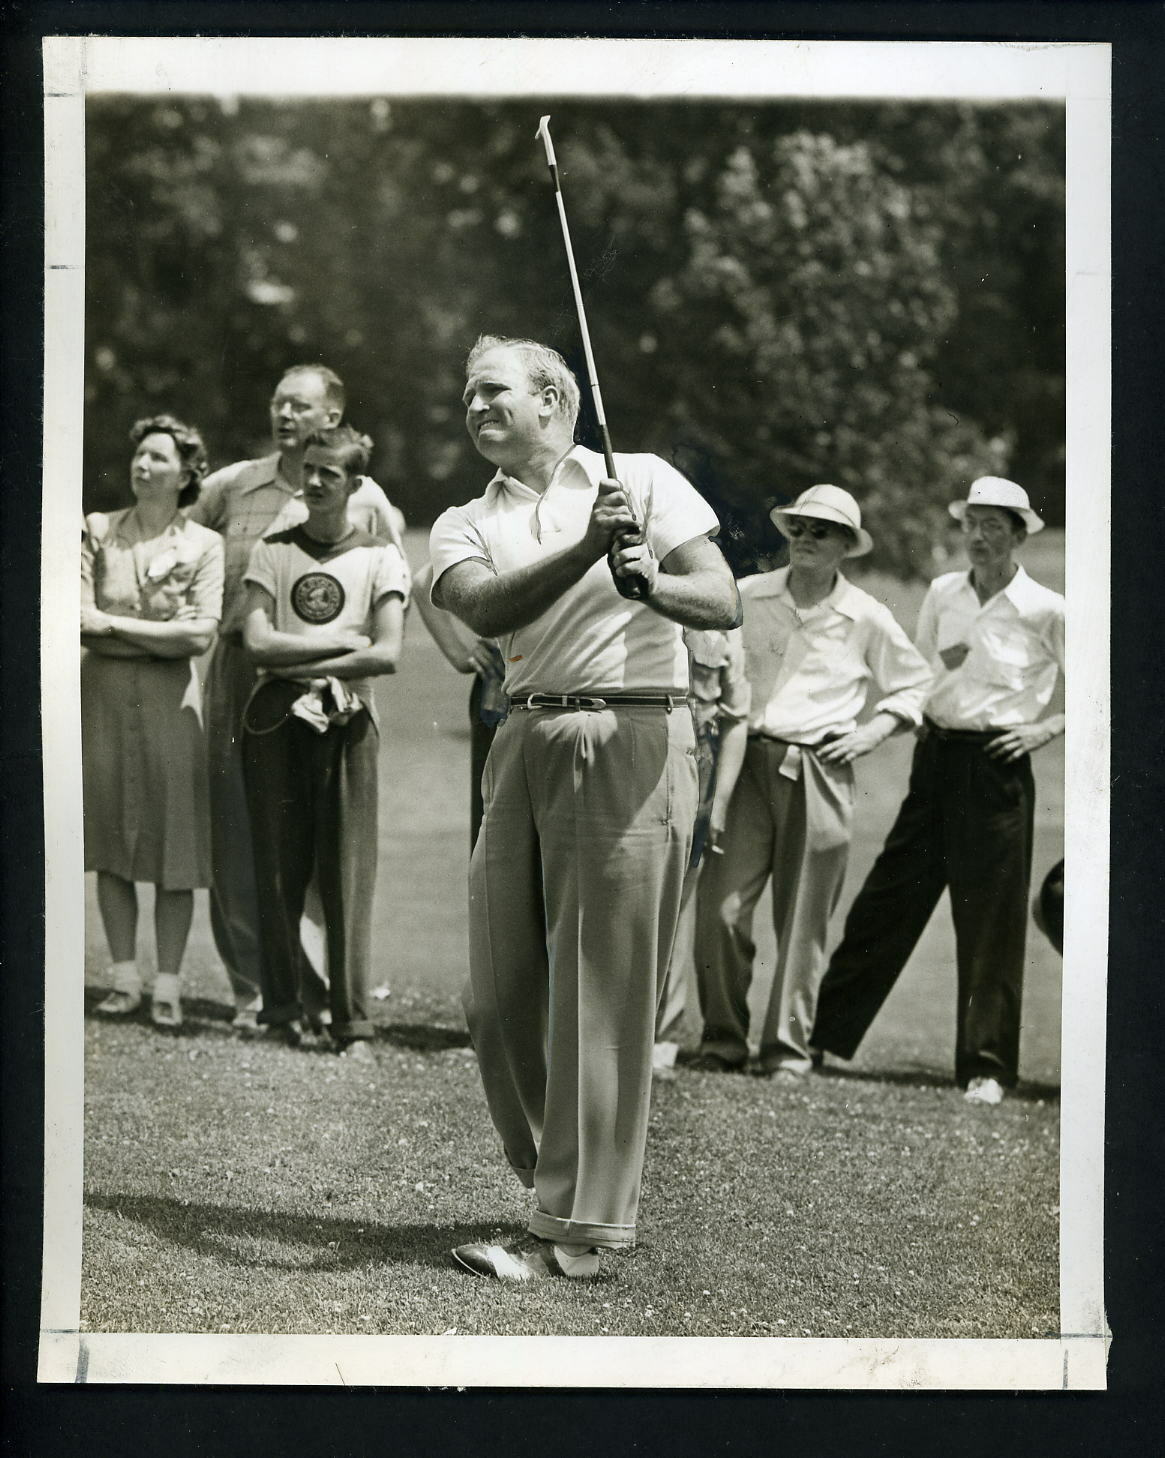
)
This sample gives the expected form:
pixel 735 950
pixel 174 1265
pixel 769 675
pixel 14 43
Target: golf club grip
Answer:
pixel 633 588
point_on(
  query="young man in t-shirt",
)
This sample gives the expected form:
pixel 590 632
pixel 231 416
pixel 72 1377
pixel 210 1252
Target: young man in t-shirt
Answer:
pixel 324 615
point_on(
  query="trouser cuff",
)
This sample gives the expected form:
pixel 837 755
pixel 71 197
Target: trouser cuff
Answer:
pixel 731 1050
pixel 359 1029
pixel 275 1017
pixel 580 1232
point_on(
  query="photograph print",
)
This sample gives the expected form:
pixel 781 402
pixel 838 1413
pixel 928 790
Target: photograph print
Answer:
pixel 568 820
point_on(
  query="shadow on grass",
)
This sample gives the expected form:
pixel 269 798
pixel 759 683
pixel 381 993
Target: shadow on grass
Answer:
pixel 926 1078
pixel 895 1077
pixel 424 1037
pixel 197 1012
pixel 274 1241
pixel 203 1015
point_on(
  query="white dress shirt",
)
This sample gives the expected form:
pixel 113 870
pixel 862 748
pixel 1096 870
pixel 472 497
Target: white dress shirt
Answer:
pixel 1015 643
pixel 811 669
pixel 591 638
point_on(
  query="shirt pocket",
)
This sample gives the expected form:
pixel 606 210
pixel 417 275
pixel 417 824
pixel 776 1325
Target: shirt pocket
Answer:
pixel 1009 659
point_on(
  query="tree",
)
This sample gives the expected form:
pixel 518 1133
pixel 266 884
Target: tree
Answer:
pixel 813 287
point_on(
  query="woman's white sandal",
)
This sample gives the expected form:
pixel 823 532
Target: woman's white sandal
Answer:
pixel 166 1002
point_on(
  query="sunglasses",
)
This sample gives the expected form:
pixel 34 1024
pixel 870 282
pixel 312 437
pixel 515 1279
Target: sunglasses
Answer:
pixel 818 530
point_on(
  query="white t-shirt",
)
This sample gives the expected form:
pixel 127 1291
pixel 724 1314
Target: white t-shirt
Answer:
pixel 591 638
pixel 327 587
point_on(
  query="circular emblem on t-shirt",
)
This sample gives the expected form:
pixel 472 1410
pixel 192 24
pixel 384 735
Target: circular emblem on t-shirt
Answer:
pixel 317 598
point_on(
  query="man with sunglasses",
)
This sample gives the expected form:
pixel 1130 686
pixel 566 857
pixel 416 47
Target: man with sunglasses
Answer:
pixel 814 644
pixel 995 639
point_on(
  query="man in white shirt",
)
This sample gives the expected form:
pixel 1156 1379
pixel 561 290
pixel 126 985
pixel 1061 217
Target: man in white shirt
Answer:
pixel 814 647
pixel 590 791
pixel 995 640
pixel 244 502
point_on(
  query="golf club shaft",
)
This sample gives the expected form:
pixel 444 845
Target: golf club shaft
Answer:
pixel 632 587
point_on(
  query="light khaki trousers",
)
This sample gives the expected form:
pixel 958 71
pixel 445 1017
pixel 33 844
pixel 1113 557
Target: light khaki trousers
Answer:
pixel 796 830
pixel 574 891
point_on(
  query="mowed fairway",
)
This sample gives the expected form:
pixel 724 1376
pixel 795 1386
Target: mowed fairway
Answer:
pixel 235 1186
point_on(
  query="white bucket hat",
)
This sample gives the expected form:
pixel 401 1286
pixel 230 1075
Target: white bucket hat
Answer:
pixel 827 503
pixel 995 491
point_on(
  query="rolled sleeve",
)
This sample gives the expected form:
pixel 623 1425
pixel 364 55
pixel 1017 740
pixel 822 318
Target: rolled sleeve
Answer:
pixel 676 512
pixel 261 569
pixel 455 537
pixel 391 576
pixel 901 674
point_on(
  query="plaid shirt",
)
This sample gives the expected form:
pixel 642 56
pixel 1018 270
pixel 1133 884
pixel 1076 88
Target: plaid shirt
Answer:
pixel 245 501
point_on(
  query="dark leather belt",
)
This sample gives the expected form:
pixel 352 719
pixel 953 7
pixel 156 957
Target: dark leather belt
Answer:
pixel 760 738
pixel 959 736
pixel 599 701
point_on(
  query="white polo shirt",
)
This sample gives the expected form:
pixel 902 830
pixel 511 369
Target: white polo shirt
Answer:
pixel 591 638
pixel 1015 643
pixel 811 669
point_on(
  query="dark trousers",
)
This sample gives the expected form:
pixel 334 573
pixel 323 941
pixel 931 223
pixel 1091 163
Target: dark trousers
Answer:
pixel 966 823
pixel 234 900
pixel 312 803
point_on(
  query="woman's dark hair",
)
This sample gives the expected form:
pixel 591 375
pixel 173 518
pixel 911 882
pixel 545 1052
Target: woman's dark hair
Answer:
pixel 189 445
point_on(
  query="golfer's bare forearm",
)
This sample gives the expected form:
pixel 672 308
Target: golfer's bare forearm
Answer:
pixel 494 604
pixel 703 599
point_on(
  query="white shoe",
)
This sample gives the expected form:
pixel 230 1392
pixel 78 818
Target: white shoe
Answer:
pixel 165 1001
pixel 527 1259
pixel 357 1050
pixel 984 1091
pixel 126 996
pixel 663 1055
pixel 246 1018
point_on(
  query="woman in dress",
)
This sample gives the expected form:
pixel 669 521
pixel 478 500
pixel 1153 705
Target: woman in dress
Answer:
pixel 151 598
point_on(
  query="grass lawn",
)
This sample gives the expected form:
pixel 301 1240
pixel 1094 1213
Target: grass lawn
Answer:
pixel 233 1186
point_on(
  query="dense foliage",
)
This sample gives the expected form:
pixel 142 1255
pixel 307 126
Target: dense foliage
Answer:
pixel 778 293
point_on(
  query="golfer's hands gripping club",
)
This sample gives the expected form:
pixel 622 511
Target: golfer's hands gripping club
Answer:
pixel 633 565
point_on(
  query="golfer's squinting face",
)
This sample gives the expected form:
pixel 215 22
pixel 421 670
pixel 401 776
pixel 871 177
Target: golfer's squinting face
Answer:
pixel 503 414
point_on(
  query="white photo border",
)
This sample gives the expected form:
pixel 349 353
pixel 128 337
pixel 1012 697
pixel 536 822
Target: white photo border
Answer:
pixel 1076 74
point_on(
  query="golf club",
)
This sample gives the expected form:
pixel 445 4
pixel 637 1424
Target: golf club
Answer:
pixel 632 587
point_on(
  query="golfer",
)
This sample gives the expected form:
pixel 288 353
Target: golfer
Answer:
pixel 590 792
pixel 995 640
pixel 815 647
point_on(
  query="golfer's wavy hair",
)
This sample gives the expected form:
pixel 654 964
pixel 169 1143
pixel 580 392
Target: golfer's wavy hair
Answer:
pixel 332 383
pixel 544 366
pixel 353 449
pixel 187 442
